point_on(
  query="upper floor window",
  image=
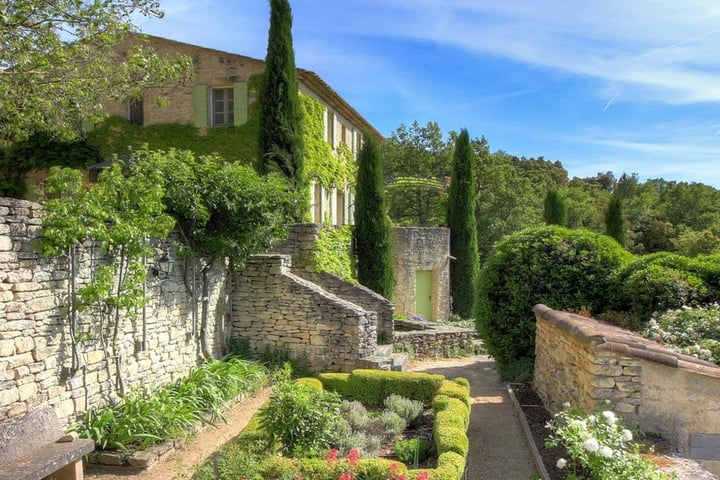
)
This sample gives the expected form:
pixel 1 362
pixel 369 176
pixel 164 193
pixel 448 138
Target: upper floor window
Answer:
pixel 222 106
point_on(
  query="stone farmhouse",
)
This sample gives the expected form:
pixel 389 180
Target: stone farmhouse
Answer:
pixel 220 94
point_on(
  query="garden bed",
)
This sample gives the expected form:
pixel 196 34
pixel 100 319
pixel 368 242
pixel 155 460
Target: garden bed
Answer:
pixel 664 455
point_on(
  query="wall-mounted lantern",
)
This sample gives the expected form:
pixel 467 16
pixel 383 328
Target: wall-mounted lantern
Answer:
pixel 163 266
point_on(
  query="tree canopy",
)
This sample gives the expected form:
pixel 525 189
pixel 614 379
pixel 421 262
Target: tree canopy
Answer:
pixel 59 62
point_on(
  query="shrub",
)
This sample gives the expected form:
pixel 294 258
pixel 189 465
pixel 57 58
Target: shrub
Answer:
pixel 552 265
pixel 406 408
pixel 455 413
pixel 355 413
pixel 693 331
pixel 450 466
pixel 450 439
pixel 412 451
pixel 457 390
pixel 302 419
pixel 600 444
pixel 387 424
pixel 371 387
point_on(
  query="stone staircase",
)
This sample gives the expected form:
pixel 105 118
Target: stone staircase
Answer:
pixel 385 359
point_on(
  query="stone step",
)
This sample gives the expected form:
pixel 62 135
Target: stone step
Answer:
pixel 385 359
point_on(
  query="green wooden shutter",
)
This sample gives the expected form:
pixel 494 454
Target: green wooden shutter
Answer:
pixel 200 104
pixel 240 92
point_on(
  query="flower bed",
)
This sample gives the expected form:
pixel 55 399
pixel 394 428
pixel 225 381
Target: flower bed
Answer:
pixel 275 446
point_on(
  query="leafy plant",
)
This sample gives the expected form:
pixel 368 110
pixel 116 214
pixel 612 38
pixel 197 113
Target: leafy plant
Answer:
pixel 331 252
pixel 412 451
pixel 599 447
pixel 693 331
pixel 141 419
pixel 406 408
pixel 301 418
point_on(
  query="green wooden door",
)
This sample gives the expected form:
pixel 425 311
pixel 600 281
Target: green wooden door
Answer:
pixel 423 294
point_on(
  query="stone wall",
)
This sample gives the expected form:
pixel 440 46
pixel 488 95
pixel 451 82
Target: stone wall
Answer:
pixel 431 340
pixel 586 363
pixel 422 249
pixel 36 361
pixel 299 245
pixel 275 309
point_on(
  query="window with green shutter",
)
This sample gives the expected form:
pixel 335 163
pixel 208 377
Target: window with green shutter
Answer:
pixel 200 103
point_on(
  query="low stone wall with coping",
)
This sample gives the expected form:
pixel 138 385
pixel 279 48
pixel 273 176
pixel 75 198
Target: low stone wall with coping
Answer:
pixel 432 340
pixel 589 363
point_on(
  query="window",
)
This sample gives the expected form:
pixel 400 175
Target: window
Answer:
pixel 135 111
pixel 331 128
pixel 222 106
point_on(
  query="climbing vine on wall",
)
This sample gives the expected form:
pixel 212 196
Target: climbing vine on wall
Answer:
pixel 321 165
pixel 331 252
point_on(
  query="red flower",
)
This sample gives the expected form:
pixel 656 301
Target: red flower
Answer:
pixel 331 456
pixel 353 457
pixel 423 476
pixel 345 476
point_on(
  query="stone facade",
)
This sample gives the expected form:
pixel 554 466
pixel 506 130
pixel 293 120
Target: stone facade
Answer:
pixel 588 363
pixel 276 309
pixel 422 250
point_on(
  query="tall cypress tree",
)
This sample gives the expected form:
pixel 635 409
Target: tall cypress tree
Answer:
pixel 464 269
pixel 280 144
pixel 373 235
pixel 555 212
pixel 614 221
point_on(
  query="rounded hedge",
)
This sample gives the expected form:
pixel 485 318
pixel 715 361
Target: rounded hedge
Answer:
pixel 561 268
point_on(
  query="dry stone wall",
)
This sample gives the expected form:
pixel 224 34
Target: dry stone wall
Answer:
pixel 589 363
pixel 275 309
pixel 158 345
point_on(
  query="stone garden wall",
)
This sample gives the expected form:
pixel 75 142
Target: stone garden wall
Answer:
pixel 586 363
pixel 432 340
pixel 36 346
pixel 275 309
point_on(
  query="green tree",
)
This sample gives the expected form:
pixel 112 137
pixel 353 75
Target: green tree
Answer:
pixel 555 210
pixel 373 235
pixel 463 229
pixel 65 63
pixel 615 221
pixel 281 127
pixel 415 161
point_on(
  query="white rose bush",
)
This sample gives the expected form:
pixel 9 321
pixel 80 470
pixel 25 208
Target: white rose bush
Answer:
pixel 599 447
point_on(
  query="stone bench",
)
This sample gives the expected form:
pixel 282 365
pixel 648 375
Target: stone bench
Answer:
pixel 35 447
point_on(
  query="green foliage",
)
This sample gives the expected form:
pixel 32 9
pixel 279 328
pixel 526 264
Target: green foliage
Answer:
pixel 614 220
pixel 41 151
pixel 465 266
pixel 453 389
pixel 223 208
pixel 371 387
pixel 599 447
pixel 415 161
pixel 117 136
pixel 412 451
pixel 141 419
pixel 565 269
pixel 451 466
pixel 65 63
pixel 332 252
pixel 120 214
pixel 450 439
pixel 373 234
pixel 280 145
pixel 693 331
pixel 321 164
pixel 555 210
pixel 406 408
pixel 693 243
pixel 301 418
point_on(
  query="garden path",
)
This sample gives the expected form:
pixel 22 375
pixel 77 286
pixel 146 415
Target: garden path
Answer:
pixel 498 449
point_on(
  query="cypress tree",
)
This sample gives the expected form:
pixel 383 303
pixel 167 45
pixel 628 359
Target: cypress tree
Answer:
pixel 554 209
pixel 373 235
pixel 614 221
pixel 464 269
pixel 280 143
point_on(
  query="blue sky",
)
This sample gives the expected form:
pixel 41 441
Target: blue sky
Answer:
pixel 622 85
